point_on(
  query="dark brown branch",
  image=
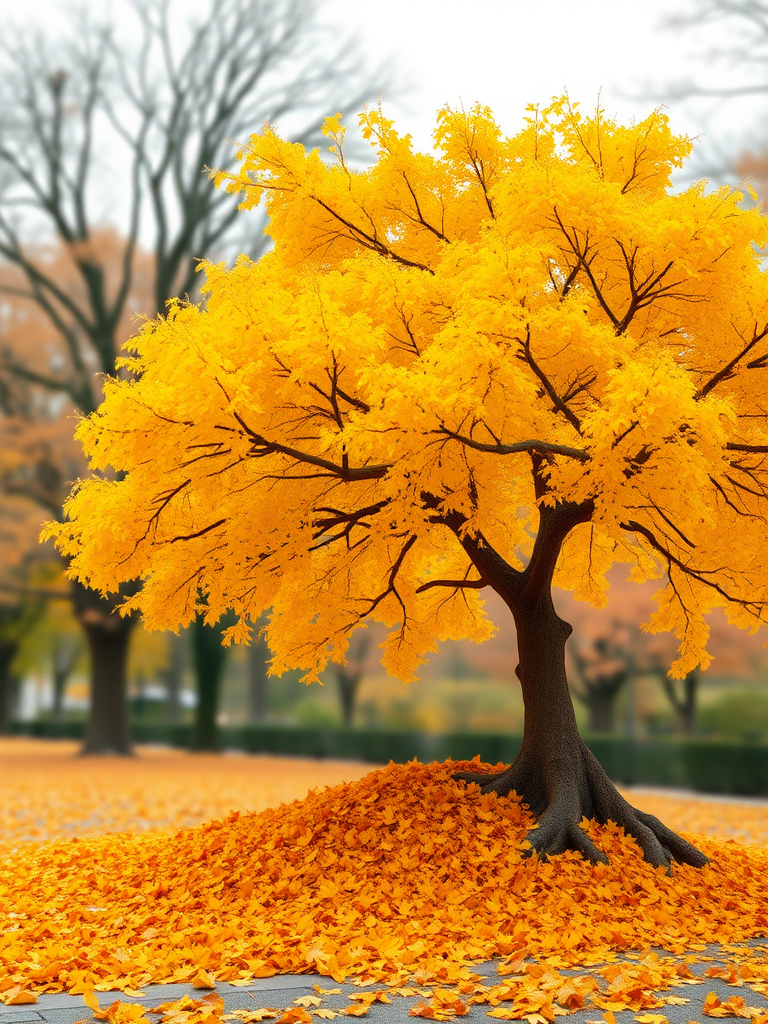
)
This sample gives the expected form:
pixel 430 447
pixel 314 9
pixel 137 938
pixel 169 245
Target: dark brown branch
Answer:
pixel 733 446
pixel 419 215
pixel 262 447
pixel 349 520
pixel 200 533
pixel 391 589
pixel 727 371
pixel 369 241
pixel 544 447
pixel 456 584
pixel 700 575
pixel 585 265
pixel 557 401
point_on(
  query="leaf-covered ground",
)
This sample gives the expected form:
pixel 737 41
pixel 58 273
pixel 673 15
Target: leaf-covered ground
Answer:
pixel 399 877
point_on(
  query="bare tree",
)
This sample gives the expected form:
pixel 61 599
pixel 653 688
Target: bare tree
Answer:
pixel 729 47
pixel 117 123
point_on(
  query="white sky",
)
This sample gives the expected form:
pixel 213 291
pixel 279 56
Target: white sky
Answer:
pixel 507 53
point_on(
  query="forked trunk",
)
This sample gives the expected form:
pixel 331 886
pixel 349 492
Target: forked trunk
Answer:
pixel 555 773
pixel 108 636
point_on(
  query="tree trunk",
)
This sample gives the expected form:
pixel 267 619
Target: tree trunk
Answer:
pixel 348 683
pixel 63 660
pixel 601 708
pixel 258 680
pixel 174 676
pixel 555 773
pixel 208 659
pixel 7 690
pixel 688 714
pixel 684 705
pixel 108 636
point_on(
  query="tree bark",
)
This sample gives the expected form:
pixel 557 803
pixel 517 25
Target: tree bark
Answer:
pixel 555 773
pixel 208 660
pixel 7 695
pixel 107 634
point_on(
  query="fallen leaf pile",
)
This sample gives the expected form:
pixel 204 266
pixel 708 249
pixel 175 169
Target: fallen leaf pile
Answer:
pixel 402 875
pixel 50 793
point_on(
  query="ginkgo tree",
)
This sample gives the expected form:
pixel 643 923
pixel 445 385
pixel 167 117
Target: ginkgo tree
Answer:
pixel 508 363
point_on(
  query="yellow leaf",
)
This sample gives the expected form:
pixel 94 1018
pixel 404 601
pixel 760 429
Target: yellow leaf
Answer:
pixel 203 980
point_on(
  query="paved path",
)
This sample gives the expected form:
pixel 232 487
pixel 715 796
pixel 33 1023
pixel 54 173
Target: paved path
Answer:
pixel 280 992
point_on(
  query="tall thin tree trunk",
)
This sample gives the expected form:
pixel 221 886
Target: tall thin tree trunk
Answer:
pixel 108 636
pixel 258 679
pixel 208 660
pixel 348 683
pixel 63 660
pixel 174 675
pixel 8 652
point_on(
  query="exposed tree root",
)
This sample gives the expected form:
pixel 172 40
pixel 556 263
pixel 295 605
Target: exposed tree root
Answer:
pixel 561 791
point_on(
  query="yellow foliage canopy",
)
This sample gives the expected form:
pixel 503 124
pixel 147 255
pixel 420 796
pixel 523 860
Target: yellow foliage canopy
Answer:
pixel 435 347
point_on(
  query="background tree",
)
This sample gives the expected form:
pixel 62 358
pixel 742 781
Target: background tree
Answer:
pixel 40 459
pixel 598 675
pixel 349 674
pixel 507 365
pixel 120 121
pixel 258 673
pixel 729 40
pixel 208 655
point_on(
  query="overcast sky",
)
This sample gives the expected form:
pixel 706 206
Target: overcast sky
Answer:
pixel 508 53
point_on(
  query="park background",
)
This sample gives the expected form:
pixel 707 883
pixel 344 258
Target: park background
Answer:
pixel 711 72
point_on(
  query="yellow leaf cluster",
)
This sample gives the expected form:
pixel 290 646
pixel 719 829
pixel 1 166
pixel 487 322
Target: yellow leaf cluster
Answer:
pixel 434 349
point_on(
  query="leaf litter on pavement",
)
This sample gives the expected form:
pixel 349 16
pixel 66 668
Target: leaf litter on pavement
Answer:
pixel 400 880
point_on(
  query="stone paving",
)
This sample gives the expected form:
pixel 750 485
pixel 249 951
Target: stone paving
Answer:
pixel 279 993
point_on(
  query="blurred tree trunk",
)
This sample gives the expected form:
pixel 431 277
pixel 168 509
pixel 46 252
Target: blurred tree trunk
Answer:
pixel 258 679
pixel 349 676
pixel 208 661
pixel 174 674
pixel 107 634
pixel 8 651
pixel 601 708
pixel 601 676
pixel 683 700
pixel 63 660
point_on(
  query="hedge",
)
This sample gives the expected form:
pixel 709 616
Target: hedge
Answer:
pixel 710 766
